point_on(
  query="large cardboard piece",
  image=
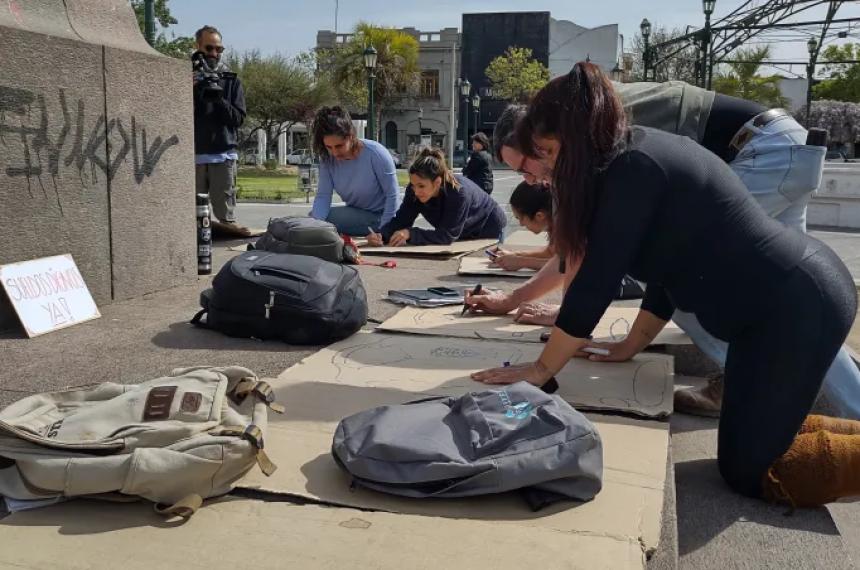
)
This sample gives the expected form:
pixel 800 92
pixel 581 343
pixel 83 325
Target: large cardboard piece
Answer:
pixel 447 321
pixel 628 508
pixel 483 266
pixel 441 366
pixel 456 248
pixel 241 533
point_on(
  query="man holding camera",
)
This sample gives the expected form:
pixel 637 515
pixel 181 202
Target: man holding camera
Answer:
pixel 219 110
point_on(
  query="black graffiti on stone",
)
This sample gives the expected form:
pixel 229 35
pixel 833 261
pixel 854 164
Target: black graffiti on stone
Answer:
pixel 102 148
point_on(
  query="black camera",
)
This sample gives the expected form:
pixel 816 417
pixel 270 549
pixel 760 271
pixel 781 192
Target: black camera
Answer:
pixel 206 77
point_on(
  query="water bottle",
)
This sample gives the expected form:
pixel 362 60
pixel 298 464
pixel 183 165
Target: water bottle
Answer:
pixel 204 235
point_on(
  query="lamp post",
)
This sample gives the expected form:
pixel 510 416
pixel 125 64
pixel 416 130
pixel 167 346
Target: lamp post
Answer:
pixel 707 66
pixel 645 28
pixel 465 90
pixel 370 56
pixel 617 73
pixel 476 107
pixel 149 21
pixel 812 46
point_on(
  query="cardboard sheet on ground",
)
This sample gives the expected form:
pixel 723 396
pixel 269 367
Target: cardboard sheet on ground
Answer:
pixel 628 508
pixel 483 266
pixel 242 533
pixel 446 321
pixel 456 248
pixel 441 366
pixel 525 238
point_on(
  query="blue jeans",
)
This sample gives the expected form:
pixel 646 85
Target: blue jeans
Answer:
pixel 782 173
pixel 354 221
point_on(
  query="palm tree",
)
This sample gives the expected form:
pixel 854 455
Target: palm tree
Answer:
pixel 743 80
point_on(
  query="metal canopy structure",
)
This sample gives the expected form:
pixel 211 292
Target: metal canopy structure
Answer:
pixel 753 18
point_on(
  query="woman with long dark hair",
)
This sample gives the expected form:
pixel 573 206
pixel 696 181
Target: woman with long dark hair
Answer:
pixel 664 210
pixel 479 168
pixel 360 171
pixel 455 207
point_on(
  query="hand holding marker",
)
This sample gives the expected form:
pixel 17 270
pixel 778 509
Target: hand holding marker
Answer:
pixel 475 291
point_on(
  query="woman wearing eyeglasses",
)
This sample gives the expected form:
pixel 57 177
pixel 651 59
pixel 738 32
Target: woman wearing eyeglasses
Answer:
pixel 661 208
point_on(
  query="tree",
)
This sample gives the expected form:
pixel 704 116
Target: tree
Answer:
pixel 841 119
pixel 843 82
pixel 742 80
pixel 516 76
pixel 397 71
pixel 279 91
pixel 178 47
pixel 680 67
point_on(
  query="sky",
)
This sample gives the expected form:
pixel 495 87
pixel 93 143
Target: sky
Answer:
pixel 290 26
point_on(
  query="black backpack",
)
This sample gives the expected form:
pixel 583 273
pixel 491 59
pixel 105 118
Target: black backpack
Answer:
pixel 295 298
pixel 306 236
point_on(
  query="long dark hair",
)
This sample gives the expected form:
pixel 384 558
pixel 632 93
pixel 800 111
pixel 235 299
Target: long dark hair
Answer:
pixel 430 164
pixel 530 199
pixel 331 121
pixel 581 111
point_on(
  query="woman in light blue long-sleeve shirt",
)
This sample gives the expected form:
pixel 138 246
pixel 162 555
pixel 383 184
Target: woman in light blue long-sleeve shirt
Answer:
pixel 361 171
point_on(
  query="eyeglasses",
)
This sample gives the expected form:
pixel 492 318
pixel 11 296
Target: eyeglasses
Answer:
pixel 216 49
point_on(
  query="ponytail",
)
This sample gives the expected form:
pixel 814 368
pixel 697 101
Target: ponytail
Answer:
pixel 430 164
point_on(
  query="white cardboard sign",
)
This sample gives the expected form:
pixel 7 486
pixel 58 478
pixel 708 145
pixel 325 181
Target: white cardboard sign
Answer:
pixel 48 294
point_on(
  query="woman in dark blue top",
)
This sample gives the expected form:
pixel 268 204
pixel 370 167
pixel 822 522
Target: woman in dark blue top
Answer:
pixel 671 214
pixel 455 207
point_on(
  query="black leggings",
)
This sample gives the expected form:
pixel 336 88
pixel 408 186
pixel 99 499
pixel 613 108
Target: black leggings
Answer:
pixel 774 369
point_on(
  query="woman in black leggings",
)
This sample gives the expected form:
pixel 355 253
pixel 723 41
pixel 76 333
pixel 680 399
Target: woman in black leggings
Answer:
pixel 666 211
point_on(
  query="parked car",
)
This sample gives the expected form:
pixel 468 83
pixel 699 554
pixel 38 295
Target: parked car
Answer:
pixel 398 160
pixel 300 156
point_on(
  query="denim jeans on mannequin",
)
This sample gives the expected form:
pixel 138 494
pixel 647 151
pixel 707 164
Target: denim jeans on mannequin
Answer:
pixel 782 173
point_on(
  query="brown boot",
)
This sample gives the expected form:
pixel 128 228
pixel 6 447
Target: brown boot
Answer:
pixel 840 426
pixel 705 401
pixel 817 469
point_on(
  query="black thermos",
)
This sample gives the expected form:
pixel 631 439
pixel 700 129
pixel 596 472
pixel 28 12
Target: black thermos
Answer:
pixel 204 235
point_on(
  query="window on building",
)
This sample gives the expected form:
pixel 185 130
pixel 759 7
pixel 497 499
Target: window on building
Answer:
pixel 429 84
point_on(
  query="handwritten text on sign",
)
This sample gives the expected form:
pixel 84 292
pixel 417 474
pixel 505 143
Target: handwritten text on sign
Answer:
pixel 48 294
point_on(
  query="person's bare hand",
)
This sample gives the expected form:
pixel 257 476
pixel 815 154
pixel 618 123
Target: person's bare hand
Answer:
pixel 618 351
pixel 532 372
pixel 493 303
pixel 543 314
pixel 374 239
pixel 399 238
pixel 508 261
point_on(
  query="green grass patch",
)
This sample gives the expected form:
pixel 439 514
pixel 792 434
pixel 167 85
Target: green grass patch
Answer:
pixel 266 185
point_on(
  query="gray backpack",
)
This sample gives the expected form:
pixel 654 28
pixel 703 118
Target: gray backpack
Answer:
pixel 516 437
pixel 174 440
pixel 306 236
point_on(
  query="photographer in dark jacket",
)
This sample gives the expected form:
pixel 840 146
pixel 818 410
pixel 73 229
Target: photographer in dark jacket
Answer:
pixel 479 168
pixel 219 111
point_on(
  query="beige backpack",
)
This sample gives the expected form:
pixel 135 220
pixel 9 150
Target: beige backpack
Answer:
pixel 174 441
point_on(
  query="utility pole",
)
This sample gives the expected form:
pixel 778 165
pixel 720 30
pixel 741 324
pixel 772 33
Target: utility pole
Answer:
pixel 149 21
pixel 336 7
pixel 452 117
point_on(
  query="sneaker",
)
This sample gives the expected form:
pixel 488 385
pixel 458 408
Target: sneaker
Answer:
pixel 705 401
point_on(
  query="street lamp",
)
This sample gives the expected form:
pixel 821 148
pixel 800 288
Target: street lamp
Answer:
pixel 465 90
pixel 812 46
pixel 617 73
pixel 645 28
pixel 370 55
pixel 706 65
pixel 476 107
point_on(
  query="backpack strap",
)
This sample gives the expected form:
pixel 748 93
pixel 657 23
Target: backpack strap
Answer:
pixel 197 320
pixel 260 389
pixel 253 434
pixel 184 507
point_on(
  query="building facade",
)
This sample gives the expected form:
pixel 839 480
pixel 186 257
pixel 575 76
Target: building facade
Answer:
pixel 424 118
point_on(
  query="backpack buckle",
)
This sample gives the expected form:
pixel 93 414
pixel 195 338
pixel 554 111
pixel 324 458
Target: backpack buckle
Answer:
pixel 270 304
